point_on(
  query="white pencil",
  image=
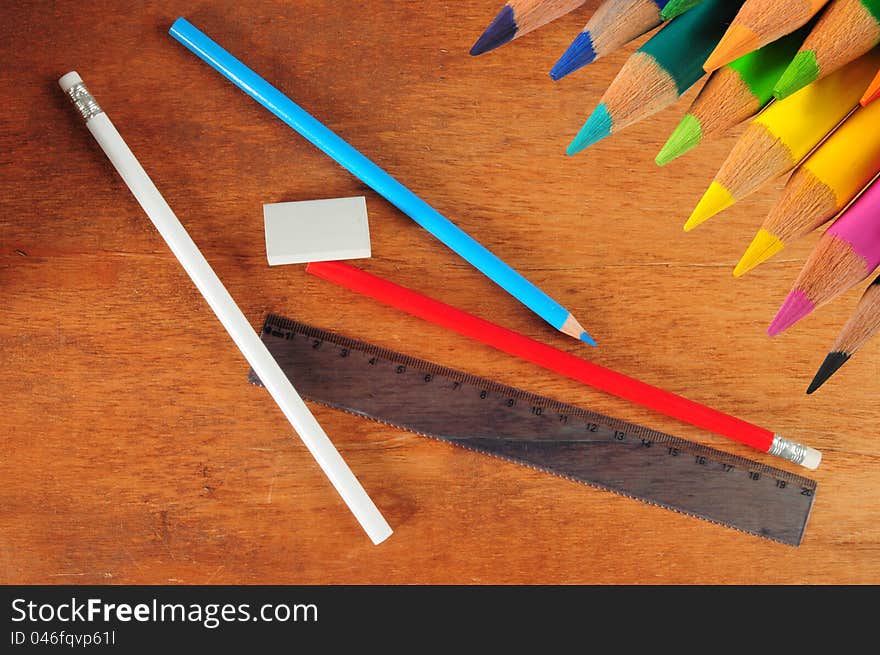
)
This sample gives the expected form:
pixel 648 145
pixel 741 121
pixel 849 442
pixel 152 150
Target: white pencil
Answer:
pixel 207 282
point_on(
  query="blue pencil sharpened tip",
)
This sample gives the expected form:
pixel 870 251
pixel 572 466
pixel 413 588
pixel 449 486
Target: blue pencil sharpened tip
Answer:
pixel 579 54
pixel 501 31
pixel 597 127
pixel 586 338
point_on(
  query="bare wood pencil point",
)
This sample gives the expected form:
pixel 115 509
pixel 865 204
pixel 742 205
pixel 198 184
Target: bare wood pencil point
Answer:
pixel 863 324
pixel 832 269
pixel 573 328
pixel 757 157
pixel 806 203
pixel 720 106
pixel 641 89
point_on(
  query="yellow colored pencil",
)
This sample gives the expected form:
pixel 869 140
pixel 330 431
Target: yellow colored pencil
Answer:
pixel 820 187
pixel 780 137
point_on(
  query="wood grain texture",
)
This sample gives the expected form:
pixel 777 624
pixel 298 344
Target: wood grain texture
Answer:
pixel 132 448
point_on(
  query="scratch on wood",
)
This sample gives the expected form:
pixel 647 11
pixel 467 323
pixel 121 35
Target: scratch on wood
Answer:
pixel 214 574
pixel 271 489
pixel 133 560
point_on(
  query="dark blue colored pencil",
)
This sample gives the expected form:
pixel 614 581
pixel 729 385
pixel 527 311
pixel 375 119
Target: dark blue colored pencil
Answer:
pixel 519 17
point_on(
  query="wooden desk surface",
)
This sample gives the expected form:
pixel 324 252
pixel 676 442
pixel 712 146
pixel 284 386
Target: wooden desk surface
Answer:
pixel 132 449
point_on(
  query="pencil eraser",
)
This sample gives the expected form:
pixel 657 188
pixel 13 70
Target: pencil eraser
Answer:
pixel 812 458
pixel 71 79
pixel 316 230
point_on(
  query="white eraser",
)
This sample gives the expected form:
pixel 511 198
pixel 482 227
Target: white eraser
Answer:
pixel 812 458
pixel 316 230
pixel 67 81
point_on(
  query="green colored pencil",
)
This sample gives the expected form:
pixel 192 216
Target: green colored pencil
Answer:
pixel 675 8
pixel 847 30
pixel 659 72
pixel 733 93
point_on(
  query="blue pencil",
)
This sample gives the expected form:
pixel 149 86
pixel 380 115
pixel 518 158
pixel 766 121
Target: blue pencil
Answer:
pixel 614 24
pixel 380 181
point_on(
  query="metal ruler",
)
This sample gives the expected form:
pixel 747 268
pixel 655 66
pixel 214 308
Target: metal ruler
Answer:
pixel 539 432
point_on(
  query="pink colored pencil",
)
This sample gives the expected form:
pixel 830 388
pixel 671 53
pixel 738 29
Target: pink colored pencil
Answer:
pixel 845 255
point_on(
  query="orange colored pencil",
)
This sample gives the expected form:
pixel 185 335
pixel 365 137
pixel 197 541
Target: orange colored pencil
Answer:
pixel 873 91
pixel 758 23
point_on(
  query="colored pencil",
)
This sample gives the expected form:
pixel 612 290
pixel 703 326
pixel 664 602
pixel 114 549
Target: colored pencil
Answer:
pixel 758 23
pixel 564 363
pixel 659 72
pixel 224 307
pixel 735 92
pixel 675 8
pixel 872 92
pixel 821 186
pixel 861 326
pixel 614 23
pixel 783 134
pixel 847 30
pixel 519 17
pixel 417 209
pixel 845 255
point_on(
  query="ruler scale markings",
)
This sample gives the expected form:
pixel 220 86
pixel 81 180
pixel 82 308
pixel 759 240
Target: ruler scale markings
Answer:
pixel 539 432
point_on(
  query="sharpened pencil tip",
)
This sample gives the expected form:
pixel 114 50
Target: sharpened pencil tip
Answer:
pixel 717 198
pixel 500 31
pixel 737 41
pixel 597 127
pixel 675 8
pixel 574 329
pixel 796 306
pixel 762 248
pixel 579 54
pixel 802 70
pixel 685 137
pixel 872 94
pixel 833 361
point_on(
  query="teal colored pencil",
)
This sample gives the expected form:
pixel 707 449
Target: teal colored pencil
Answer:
pixel 659 72
pixel 675 8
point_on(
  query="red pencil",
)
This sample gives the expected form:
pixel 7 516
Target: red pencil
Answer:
pixel 564 363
